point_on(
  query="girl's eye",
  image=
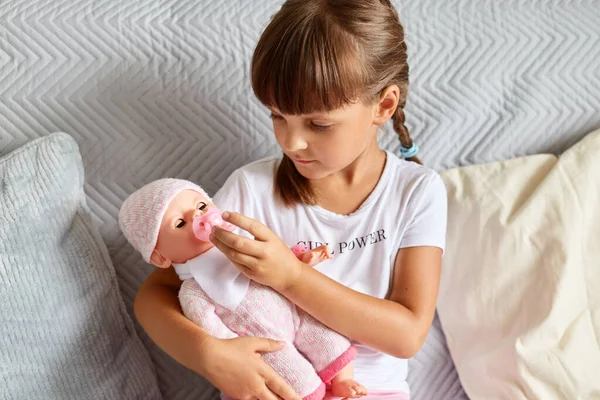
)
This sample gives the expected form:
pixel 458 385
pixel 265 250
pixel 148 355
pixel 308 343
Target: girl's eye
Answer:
pixel 201 206
pixel 180 223
pixel 319 128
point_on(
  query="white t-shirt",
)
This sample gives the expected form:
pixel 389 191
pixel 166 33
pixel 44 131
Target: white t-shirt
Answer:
pixel 407 208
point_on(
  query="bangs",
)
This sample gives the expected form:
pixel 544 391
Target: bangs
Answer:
pixel 305 64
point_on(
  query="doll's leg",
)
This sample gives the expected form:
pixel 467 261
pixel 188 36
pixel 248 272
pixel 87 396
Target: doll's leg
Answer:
pixel 297 372
pixel 328 351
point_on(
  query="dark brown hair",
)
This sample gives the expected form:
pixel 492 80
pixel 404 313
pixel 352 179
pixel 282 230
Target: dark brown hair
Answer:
pixel 320 55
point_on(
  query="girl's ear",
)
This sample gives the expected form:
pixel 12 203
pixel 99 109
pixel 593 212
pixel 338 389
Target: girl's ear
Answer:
pixel 158 260
pixel 386 107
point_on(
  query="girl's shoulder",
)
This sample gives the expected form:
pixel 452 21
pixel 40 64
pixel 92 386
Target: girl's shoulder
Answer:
pixel 422 204
pixel 257 176
pixel 249 181
pixel 260 171
pixel 409 176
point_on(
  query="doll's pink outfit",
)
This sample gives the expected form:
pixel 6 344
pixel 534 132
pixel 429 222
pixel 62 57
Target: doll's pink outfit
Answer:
pixel 216 296
pixel 314 354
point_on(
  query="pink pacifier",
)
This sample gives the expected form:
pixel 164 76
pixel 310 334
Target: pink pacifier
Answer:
pixel 203 224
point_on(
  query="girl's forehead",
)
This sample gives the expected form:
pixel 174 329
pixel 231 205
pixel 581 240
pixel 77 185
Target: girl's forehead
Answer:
pixel 335 113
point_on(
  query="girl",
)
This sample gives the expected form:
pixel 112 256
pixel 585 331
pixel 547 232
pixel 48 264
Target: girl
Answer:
pixel 331 72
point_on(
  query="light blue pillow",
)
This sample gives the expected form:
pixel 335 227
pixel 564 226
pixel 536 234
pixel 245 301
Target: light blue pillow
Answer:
pixel 64 330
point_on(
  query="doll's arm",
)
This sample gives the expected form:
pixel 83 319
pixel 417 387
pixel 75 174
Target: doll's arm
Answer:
pixel 200 309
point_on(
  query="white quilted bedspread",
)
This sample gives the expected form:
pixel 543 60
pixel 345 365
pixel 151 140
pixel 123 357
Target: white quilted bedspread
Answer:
pixel 160 88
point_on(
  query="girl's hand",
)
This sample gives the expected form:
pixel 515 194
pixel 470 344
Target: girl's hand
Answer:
pixel 235 367
pixel 266 259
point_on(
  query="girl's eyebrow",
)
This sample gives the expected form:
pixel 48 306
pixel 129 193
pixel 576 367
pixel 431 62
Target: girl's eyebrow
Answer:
pixel 318 116
pixel 314 115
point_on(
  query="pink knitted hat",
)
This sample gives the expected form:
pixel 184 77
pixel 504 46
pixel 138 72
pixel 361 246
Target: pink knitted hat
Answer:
pixel 141 214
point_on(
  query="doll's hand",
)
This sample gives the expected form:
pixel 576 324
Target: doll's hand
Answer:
pixel 266 259
pixel 315 256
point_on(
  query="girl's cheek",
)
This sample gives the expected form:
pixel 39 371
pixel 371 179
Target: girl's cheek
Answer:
pixel 278 138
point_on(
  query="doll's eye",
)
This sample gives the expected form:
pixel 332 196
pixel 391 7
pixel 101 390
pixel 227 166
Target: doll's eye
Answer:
pixel 180 223
pixel 201 206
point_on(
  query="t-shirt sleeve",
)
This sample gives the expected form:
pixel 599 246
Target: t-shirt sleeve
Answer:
pixel 428 216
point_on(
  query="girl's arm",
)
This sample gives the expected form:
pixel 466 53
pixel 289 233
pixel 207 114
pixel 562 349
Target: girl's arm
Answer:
pixel 397 326
pixel 157 309
pixel 234 366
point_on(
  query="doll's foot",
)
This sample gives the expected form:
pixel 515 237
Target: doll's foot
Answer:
pixel 348 389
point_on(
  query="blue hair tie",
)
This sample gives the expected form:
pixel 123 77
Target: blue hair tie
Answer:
pixel 409 152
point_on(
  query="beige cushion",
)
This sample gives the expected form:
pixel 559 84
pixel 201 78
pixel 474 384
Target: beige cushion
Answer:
pixel 520 294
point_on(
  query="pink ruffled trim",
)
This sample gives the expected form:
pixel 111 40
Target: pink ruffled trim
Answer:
pixel 317 394
pixel 335 367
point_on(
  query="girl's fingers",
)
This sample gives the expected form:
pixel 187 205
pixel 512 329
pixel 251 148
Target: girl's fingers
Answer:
pixel 239 243
pixel 278 386
pixel 255 228
pixel 266 345
pixel 244 262
pixel 244 270
pixel 267 395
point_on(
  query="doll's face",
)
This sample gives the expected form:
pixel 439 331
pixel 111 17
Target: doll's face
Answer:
pixel 176 240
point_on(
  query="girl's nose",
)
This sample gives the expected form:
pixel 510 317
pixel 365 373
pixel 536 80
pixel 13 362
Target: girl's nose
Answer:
pixel 293 141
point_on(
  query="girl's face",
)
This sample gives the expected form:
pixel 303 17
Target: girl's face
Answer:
pixel 323 143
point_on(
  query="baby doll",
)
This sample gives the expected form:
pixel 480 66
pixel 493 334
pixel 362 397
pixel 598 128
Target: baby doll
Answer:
pixel 168 221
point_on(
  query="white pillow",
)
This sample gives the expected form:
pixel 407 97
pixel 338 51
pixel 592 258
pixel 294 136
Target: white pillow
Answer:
pixel 519 299
pixel 64 330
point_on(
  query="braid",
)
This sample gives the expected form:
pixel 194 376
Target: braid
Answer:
pixel 406 141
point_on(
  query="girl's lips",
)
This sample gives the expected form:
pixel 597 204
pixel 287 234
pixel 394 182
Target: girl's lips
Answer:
pixel 303 161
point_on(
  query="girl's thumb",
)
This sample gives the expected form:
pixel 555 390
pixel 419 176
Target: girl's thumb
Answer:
pixel 265 345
